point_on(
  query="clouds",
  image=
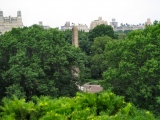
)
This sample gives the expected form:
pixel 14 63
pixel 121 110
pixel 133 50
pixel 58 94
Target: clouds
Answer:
pixel 56 13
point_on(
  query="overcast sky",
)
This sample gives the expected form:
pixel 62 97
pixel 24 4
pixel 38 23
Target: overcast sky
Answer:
pixel 56 12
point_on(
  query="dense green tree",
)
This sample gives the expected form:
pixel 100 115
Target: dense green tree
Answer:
pixel 35 61
pixel 84 42
pixel 101 30
pixel 134 67
pixel 121 35
pixel 98 62
pixel 67 34
pixel 127 31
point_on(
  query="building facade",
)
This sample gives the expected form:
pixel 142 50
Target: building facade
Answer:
pixel 114 24
pixel 126 26
pixel 80 27
pixel 129 27
pixel 67 26
pixel 7 23
pixel 98 22
pixel 148 22
pixel 45 27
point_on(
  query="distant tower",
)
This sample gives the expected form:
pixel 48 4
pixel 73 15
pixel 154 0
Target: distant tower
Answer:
pixel 148 22
pixel 1 17
pixel 75 36
pixel 19 16
pixel 113 20
pixel 1 21
pixel 67 24
pixel 40 23
pixel 18 13
pixel 1 13
pixel 114 24
pixel 99 18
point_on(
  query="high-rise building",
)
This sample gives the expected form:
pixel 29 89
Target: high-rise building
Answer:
pixel 114 24
pixel 148 22
pixel 40 23
pixel 98 22
pixel 7 23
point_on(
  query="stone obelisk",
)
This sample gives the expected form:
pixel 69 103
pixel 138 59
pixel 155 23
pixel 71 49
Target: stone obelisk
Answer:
pixel 75 69
pixel 75 36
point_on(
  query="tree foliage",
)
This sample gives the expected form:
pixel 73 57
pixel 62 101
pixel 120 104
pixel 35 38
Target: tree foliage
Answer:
pixel 98 60
pixel 85 106
pixel 35 61
pixel 134 67
pixel 101 30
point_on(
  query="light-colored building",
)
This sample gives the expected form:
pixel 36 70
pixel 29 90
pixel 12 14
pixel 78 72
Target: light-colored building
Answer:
pixel 126 26
pixel 148 22
pixel 67 26
pixel 7 23
pixel 129 27
pixel 114 24
pixel 98 22
pixel 80 27
pixel 45 27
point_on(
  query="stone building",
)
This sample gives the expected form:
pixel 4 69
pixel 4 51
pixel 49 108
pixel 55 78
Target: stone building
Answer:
pixel 80 27
pixel 7 23
pixel 148 22
pixel 97 22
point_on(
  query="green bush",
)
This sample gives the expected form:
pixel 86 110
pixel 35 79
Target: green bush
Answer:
pixel 85 106
pixel 17 109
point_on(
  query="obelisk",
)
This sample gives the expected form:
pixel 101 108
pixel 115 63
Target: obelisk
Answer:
pixel 75 69
pixel 75 36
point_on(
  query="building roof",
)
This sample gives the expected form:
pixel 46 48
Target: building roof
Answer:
pixel 92 88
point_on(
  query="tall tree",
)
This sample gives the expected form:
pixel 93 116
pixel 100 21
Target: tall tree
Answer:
pixel 36 61
pixel 101 30
pixel 134 67
pixel 98 61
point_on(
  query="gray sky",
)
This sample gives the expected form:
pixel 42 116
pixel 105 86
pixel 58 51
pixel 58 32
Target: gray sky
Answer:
pixel 56 12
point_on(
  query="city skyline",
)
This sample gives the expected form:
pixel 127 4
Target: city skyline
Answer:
pixel 56 13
